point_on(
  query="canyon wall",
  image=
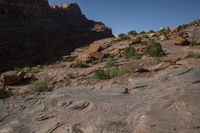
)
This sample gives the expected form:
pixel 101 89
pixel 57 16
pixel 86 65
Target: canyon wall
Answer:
pixel 32 32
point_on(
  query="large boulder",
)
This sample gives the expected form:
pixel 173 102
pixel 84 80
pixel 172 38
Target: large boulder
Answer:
pixel 180 41
pixel 12 77
pixel 136 40
pixel 92 52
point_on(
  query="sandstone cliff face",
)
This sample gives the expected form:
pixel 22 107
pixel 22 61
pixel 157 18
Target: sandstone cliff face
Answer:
pixel 32 32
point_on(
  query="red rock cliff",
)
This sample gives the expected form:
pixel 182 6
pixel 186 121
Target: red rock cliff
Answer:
pixel 32 32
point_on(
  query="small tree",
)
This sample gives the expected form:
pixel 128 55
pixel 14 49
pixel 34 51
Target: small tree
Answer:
pixel 142 32
pixel 123 37
pixel 132 33
pixel 151 31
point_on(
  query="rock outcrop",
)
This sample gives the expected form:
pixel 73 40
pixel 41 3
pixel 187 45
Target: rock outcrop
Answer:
pixel 32 32
pixel 180 41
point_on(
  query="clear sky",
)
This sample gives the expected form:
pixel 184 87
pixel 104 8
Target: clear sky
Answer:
pixel 125 15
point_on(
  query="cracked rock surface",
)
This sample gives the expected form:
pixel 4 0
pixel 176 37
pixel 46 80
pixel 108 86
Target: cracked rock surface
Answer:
pixel 168 102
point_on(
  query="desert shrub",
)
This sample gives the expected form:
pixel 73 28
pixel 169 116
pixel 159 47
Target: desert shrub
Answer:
pixel 68 58
pixel 28 69
pixel 109 70
pixel 112 72
pixel 79 64
pixel 127 70
pixel 101 74
pixel 154 49
pixel 192 55
pixel 123 37
pixel 129 52
pixel 156 60
pixel 142 32
pixel 110 63
pixel 151 31
pixel 41 85
pixel 164 31
pixel 107 73
pixel 184 26
pixel 4 93
pixel 132 33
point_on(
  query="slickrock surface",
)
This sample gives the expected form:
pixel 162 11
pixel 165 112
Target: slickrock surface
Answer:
pixel 167 102
pixel 32 32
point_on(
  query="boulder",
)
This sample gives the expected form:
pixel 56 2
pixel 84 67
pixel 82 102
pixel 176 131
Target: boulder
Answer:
pixel 151 35
pixel 98 55
pixel 85 57
pixel 94 48
pixel 12 77
pixel 92 52
pixel 136 40
pixel 180 41
pixel 163 38
pixel 175 30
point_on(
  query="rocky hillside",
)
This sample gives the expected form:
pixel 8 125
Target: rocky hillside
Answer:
pixel 141 83
pixel 32 32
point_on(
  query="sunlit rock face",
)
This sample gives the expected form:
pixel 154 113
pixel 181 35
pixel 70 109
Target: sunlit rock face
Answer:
pixel 32 32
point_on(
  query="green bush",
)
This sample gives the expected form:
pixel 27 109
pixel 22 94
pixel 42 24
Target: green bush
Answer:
pixel 68 58
pixel 142 32
pixel 28 69
pixel 151 31
pixel 154 49
pixel 111 70
pixel 164 31
pixel 110 63
pixel 127 70
pixel 41 85
pixel 101 74
pixel 132 33
pixel 122 37
pixel 107 73
pixel 79 64
pixel 129 52
pixel 4 93
pixel 184 26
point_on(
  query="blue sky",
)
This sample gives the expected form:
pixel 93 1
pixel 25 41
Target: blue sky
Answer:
pixel 125 15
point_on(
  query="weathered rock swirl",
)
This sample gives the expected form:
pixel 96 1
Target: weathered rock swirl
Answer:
pixel 32 32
